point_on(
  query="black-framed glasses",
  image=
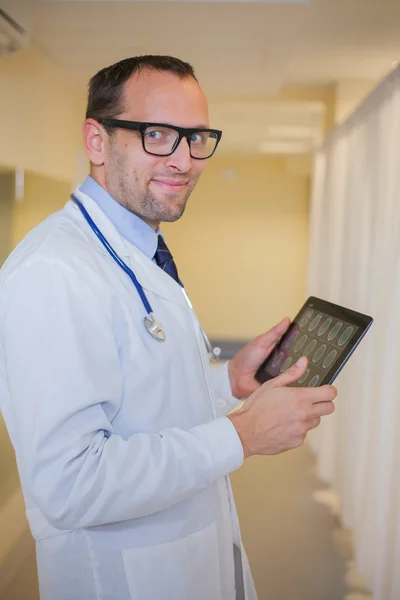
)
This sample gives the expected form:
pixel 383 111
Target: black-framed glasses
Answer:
pixel 160 139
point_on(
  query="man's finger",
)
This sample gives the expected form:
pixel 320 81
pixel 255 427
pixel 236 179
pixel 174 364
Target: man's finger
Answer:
pixel 292 375
pixel 313 423
pixel 322 409
pixel 270 338
pixel 325 393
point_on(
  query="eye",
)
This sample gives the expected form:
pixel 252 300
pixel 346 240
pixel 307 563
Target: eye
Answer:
pixel 200 137
pixel 155 134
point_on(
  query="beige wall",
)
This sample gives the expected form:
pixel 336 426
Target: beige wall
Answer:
pixel 8 473
pixel 242 245
pixel 7 179
pixel 41 110
pixel 43 195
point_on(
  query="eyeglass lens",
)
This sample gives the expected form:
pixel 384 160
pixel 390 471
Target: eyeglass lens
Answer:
pixel 161 140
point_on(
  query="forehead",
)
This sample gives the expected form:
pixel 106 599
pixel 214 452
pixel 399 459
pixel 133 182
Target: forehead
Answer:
pixel 163 97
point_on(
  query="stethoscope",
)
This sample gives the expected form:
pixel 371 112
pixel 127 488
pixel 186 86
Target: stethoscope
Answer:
pixel 153 326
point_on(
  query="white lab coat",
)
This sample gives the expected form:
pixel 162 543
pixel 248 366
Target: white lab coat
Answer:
pixel 122 446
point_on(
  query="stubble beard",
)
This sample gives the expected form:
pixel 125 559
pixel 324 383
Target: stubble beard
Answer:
pixel 142 202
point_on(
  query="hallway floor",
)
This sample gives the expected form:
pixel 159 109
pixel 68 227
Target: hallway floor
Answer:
pixel 296 548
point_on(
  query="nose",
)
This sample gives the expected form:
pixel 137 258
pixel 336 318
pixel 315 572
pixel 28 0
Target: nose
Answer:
pixel 180 159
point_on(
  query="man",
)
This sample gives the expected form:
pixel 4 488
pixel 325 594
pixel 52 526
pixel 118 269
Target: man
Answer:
pixel 123 449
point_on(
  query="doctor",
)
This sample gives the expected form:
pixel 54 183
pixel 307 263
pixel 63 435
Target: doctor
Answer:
pixel 118 422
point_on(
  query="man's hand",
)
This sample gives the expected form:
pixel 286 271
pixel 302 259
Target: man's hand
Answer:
pixel 245 363
pixel 277 418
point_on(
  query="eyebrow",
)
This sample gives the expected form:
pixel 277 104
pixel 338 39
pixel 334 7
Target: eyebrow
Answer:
pixel 202 126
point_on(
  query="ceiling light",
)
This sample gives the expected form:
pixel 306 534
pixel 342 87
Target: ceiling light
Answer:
pixel 285 147
pixel 292 132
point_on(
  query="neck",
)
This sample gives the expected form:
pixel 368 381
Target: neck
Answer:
pixel 100 180
pixel 153 224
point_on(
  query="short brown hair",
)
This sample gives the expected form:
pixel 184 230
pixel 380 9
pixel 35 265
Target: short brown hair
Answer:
pixel 105 96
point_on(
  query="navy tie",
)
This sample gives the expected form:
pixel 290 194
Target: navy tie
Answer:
pixel 165 261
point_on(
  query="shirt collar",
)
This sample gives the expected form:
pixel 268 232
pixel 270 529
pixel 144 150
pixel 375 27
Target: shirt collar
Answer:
pixel 129 225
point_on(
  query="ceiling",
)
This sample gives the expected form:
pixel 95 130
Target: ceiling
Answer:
pixel 269 127
pixel 243 53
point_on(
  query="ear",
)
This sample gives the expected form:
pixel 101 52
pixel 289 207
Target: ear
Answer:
pixel 94 139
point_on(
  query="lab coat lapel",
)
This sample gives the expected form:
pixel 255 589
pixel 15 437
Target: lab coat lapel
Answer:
pixel 154 279
pixel 150 276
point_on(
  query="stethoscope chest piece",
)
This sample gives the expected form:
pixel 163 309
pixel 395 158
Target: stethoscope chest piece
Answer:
pixel 154 327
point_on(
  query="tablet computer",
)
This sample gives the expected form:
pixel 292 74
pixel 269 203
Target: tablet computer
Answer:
pixel 326 333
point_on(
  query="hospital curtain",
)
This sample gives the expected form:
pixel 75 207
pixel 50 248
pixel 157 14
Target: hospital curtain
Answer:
pixel 354 260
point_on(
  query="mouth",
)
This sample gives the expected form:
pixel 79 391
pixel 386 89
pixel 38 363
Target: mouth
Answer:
pixel 170 185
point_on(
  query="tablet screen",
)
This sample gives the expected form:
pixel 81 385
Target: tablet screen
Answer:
pixel 327 334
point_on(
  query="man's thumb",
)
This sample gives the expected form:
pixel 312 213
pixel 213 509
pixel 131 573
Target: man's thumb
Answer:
pixel 293 374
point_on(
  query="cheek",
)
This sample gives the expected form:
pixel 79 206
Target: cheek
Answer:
pixel 142 165
pixel 198 167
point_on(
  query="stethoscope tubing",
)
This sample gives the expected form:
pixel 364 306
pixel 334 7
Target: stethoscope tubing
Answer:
pixel 114 255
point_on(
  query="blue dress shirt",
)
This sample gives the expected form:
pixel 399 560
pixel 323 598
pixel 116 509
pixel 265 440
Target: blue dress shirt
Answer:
pixel 129 225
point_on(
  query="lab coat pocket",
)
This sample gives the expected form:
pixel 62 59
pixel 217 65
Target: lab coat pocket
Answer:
pixel 186 569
